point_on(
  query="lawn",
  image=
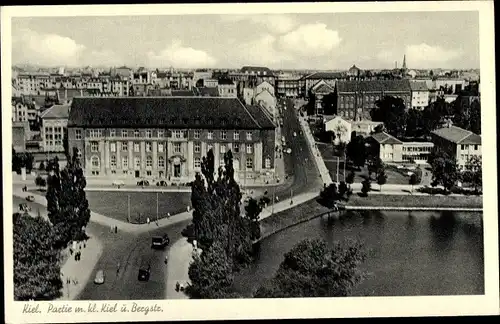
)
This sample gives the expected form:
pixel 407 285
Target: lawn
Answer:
pixel 393 177
pixel 114 204
pixel 326 150
pixel 416 201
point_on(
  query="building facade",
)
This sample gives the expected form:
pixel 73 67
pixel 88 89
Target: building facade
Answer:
pixel 341 128
pixel 287 85
pixel 457 142
pixel 54 128
pixel 355 99
pixel 166 137
pixel 419 95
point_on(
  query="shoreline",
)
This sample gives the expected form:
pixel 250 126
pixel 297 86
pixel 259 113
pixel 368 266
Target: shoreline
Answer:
pixel 287 219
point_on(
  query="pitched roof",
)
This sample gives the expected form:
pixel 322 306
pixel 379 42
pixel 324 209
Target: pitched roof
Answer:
pixel 56 112
pixel 260 116
pixel 418 86
pixel 384 138
pixel 373 85
pixel 225 81
pixel 323 88
pixel 183 93
pixel 174 112
pixel 458 135
pixel 325 75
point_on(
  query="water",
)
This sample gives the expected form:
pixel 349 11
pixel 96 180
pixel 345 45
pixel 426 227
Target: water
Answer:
pixel 408 254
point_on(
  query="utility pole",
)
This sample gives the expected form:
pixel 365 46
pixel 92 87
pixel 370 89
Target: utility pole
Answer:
pixel 157 206
pixel 345 159
pixel 338 166
pixel 128 207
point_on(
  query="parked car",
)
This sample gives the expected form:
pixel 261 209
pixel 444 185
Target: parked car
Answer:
pixel 144 271
pixel 118 183
pixel 162 183
pixel 160 241
pixel 99 277
pixel 143 183
pixel 30 198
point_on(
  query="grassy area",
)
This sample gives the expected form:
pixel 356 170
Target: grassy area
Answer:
pixel 291 216
pixel 393 177
pixel 114 204
pixel 416 201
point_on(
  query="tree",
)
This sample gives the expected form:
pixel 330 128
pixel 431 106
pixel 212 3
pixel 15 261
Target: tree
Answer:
pixel 67 204
pixel 366 186
pixel 40 182
pixel 329 196
pixel 344 191
pixel 36 261
pixel 414 123
pixel 381 178
pixel 356 151
pixel 413 180
pixel 313 269
pixel 253 210
pixel 445 170
pixel 210 273
pixel 41 167
pixel 350 178
pixel 375 164
pixel 467 115
pixel 391 111
pixel 474 172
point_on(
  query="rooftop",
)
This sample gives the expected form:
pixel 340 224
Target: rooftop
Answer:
pixel 175 112
pixel 56 112
pixel 418 86
pixel 384 138
pixel 373 85
pixel 325 75
pixel 458 135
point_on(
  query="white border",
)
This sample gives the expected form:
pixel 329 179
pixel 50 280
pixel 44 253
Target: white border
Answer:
pixel 278 308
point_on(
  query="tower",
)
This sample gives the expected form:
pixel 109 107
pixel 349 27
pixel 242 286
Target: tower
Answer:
pixel 404 62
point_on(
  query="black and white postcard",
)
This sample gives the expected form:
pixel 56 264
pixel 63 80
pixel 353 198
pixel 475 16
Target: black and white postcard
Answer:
pixel 249 161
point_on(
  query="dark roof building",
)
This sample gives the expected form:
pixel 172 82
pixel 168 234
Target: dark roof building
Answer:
pixel 173 112
pixel 374 86
pixel 207 91
pixel 384 138
pixel 258 70
pixel 56 112
pixel 458 135
pixel 419 86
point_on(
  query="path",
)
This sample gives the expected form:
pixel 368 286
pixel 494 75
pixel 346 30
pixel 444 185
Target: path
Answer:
pixel 179 258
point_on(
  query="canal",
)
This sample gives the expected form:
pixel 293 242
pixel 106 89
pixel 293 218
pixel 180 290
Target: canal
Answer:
pixel 408 253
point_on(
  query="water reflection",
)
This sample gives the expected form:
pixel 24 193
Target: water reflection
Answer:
pixel 414 253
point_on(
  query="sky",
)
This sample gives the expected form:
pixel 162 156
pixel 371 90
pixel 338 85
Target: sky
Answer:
pixel 326 41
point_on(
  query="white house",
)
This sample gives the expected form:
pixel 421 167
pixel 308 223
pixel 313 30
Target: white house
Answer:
pixel 266 100
pixel 264 86
pixel 341 128
pixel 419 95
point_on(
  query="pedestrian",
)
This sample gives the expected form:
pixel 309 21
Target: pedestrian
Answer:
pixel 148 221
pixel 116 229
pixel 168 215
pixel 177 286
pixel 118 268
pixel 277 198
pixel 70 251
pixel 188 208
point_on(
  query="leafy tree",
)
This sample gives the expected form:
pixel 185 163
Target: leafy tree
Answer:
pixel 474 172
pixel 375 164
pixel 434 114
pixel 211 273
pixel 329 104
pixel 413 180
pixel 381 178
pixel 344 191
pixel 350 178
pixel 467 115
pixel 313 269
pixel 40 182
pixel 445 170
pixel 356 151
pixel 414 123
pixel 366 186
pixel 36 261
pixel 391 111
pixel 67 204
pixel 41 167
pixel 253 209
pixel 330 195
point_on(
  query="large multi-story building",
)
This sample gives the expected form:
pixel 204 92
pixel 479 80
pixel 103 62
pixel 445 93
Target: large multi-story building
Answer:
pixel 355 99
pixel 166 137
pixel 54 127
pixel 419 95
pixel 458 142
pixel 309 81
pixel 287 85
pixel 392 150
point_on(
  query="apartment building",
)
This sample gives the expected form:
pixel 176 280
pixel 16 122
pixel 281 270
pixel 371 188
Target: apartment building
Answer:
pixel 54 127
pixel 419 95
pixel 166 137
pixel 392 150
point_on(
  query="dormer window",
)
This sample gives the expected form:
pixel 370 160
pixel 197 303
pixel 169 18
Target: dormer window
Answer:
pixel 173 120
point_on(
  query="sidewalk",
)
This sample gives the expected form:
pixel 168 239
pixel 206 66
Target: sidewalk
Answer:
pixel 179 259
pixel 323 170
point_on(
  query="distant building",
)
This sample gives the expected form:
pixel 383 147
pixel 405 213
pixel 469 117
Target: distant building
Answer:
pixel 227 88
pixel 166 138
pixel 19 136
pixel 364 127
pixel 309 81
pixel 54 127
pixel 210 83
pixel 458 142
pixel 355 99
pixel 419 95
pixel 259 74
pixel 341 128
pixel 318 92
pixel 392 150
pixel 268 101
pixel 287 85
pixel 354 71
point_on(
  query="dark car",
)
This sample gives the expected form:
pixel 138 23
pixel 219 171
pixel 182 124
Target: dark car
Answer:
pixel 160 241
pixel 144 271
pixel 143 183
pixel 162 183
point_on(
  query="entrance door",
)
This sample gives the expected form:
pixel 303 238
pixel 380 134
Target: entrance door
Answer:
pixel 137 173
pixel 177 171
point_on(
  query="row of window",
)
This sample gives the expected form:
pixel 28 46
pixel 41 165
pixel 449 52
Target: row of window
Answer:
pixel 94 147
pixel 466 157
pixel 465 147
pixel 95 162
pixel 418 149
pixel 179 134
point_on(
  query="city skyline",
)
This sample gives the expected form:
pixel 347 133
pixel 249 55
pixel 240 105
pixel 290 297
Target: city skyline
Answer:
pixel 430 40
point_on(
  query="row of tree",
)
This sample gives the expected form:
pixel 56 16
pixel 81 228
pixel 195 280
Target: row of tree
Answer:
pixel 38 242
pixel 22 160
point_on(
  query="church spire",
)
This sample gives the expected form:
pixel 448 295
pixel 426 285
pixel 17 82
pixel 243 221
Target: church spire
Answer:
pixel 404 62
